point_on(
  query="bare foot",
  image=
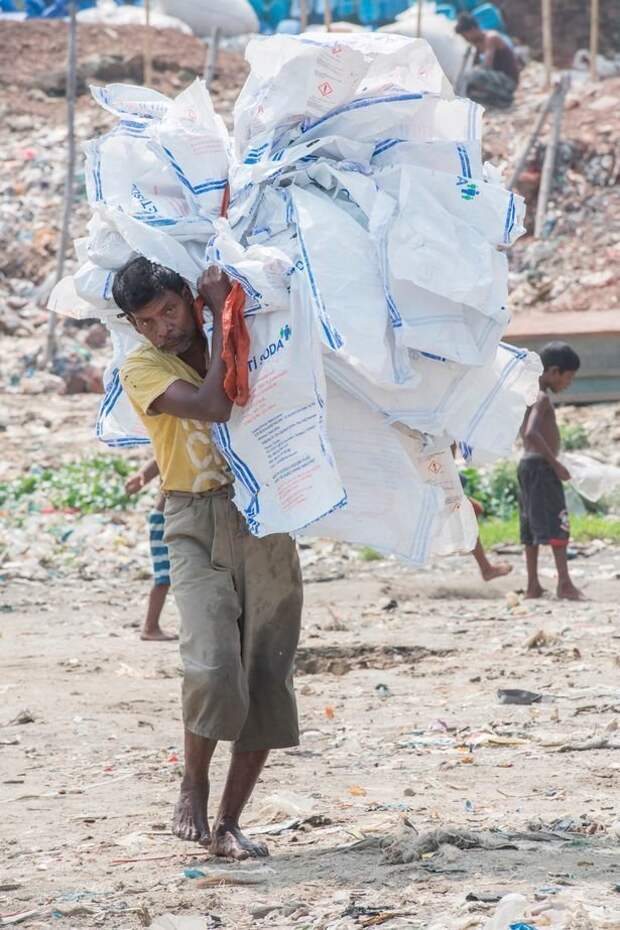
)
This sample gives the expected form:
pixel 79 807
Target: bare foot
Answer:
pixel 496 571
pixel 568 592
pixel 189 821
pixel 158 636
pixel 533 592
pixel 229 841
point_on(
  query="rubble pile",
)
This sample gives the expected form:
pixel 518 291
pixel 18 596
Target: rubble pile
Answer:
pixel 574 267
pixel 33 158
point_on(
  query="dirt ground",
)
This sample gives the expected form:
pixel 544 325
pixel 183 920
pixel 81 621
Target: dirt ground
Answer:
pixel 398 671
pixel 401 724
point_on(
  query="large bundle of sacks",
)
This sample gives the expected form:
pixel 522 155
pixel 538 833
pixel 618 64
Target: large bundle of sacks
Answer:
pixel 367 236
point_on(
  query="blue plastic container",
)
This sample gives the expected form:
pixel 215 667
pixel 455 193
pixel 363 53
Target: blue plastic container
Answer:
pixel 489 17
pixel 446 9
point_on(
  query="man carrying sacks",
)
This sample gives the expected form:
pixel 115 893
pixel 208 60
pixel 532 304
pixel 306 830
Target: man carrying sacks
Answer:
pixel 239 597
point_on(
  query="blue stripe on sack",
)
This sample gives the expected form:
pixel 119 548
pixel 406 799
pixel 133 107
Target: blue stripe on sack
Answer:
pixel 466 451
pixel 510 219
pixel 156 516
pixel 161 566
pixel 127 441
pixel 334 339
pixel 203 187
pixel 384 146
pixel 112 393
pixel 159 551
pixel 419 550
pixel 239 467
pixel 395 318
pixel 157 533
pixel 107 287
pixel 433 357
pixel 97 175
pixel 360 105
pixel 519 353
pixel 465 163
pixel 491 396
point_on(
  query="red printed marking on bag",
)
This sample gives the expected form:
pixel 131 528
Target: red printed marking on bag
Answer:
pixel 325 89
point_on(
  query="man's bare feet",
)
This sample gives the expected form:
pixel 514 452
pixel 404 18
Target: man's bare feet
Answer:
pixel 229 841
pixel 534 592
pixel 157 635
pixel 568 592
pixel 189 821
pixel 496 571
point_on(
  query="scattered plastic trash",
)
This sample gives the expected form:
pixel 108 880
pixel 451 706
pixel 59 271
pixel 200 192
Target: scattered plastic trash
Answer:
pixel 518 696
pixel 179 922
pixel 194 873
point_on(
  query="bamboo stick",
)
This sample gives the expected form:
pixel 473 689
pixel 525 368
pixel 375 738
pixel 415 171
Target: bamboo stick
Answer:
pixel 327 15
pixel 547 40
pixel 532 139
pixel 303 15
pixel 148 48
pixel 594 36
pixel 546 180
pixel 52 320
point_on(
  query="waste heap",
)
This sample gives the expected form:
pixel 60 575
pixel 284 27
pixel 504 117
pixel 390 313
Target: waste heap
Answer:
pixel 366 234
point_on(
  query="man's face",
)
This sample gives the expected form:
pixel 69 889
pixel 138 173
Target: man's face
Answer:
pixel 474 37
pixel 168 322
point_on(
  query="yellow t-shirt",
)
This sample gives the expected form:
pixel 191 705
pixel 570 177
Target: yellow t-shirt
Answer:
pixel 184 450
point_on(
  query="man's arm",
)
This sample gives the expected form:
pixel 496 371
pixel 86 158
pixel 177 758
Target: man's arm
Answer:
pixel 209 401
pixel 493 42
pixel 534 434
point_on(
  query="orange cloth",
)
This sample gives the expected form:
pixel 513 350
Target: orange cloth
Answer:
pixel 236 347
pixel 235 344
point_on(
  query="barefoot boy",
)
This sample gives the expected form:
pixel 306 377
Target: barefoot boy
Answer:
pixel 544 518
pixel 151 630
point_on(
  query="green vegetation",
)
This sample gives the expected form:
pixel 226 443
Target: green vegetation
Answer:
pixel 497 490
pixel 367 554
pixel 574 437
pixel 87 486
pixel 495 532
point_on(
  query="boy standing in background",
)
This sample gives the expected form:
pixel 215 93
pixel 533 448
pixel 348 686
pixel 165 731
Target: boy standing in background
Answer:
pixel 542 505
pixel 151 630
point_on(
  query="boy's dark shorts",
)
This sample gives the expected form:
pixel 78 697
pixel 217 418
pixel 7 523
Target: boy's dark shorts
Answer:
pixel 542 505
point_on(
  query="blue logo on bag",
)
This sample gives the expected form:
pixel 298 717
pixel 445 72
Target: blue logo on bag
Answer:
pixel 255 362
pixel 469 189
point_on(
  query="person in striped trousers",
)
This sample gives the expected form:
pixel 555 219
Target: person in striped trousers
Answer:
pixel 151 630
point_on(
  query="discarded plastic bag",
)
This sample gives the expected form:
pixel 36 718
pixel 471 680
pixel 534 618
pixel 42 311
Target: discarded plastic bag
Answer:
pixel 590 478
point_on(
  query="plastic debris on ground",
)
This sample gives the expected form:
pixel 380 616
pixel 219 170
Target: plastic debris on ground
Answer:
pixel 367 236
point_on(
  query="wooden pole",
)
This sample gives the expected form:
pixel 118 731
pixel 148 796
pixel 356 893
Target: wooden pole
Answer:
pixel 213 47
pixel 303 15
pixel 547 40
pixel 148 46
pixel 594 34
pixel 419 25
pixel 327 15
pixel 532 139
pixel 546 179
pixel 52 320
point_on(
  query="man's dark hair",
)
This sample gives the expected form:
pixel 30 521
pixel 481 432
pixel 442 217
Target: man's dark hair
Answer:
pixel 466 23
pixel 561 356
pixel 139 281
